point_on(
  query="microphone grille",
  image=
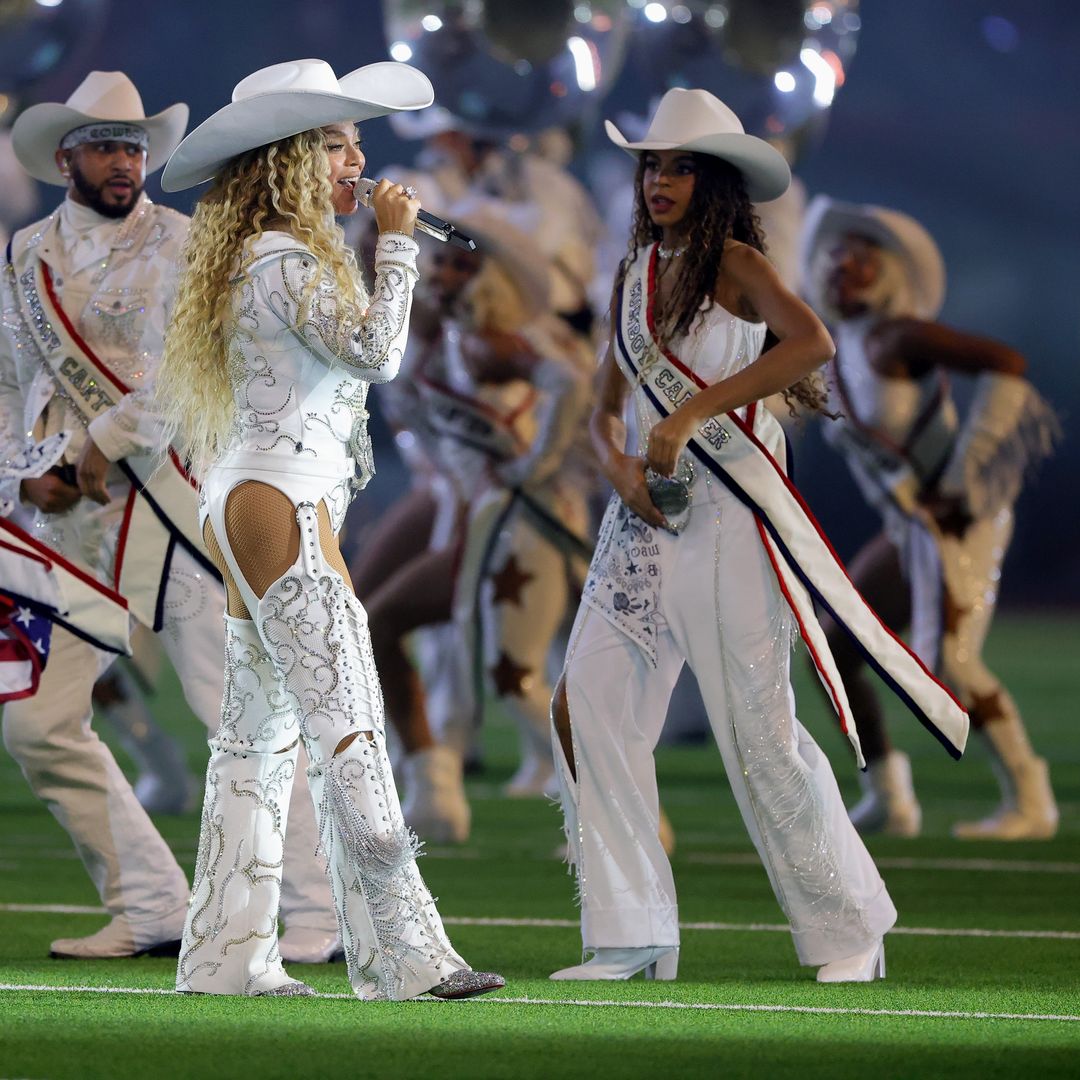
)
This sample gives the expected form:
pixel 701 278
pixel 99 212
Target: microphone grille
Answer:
pixel 362 189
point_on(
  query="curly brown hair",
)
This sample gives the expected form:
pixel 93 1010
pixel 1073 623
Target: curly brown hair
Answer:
pixel 719 210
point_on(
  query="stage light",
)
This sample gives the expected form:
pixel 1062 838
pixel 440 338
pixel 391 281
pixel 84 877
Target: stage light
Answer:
pixel 584 63
pixel 431 23
pixel 824 76
pixel 401 51
pixel 784 81
pixel 656 13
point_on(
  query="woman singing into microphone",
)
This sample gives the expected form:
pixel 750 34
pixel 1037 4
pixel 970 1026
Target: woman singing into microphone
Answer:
pixel 272 346
pixel 707 556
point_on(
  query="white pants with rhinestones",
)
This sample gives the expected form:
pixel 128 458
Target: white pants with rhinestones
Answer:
pixel 722 614
pixel 307 676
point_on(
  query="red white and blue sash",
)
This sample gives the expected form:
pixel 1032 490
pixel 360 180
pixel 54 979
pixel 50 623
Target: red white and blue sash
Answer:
pixel 745 455
pixel 452 414
pixel 34 576
pixel 472 422
pixel 161 508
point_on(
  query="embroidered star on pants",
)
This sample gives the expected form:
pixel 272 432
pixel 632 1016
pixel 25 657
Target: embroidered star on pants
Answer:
pixel 987 708
pixel 509 677
pixel 509 581
pixel 953 612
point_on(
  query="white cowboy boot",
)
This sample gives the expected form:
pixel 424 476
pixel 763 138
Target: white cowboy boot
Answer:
pixel 230 938
pixel 1028 810
pixel 435 802
pixel 394 942
pixel 888 804
pixel 316 633
pixel 119 939
pixel 535 775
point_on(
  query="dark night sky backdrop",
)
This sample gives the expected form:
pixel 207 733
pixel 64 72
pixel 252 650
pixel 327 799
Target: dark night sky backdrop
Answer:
pixel 982 146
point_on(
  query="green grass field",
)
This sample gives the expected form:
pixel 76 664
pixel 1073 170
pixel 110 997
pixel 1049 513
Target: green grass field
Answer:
pixel 984 967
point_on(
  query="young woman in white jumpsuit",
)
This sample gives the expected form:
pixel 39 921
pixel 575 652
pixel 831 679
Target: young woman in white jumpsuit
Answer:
pixel 288 370
pixel 706 596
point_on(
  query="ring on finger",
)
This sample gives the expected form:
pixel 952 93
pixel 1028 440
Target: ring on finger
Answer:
pixel 411 192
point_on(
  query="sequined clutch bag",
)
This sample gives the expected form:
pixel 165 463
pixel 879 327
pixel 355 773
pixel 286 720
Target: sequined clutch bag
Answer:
pixel 671 494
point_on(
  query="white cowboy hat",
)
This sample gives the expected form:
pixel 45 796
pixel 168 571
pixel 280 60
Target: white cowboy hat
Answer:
pixel 487 222
pixel 102 95
pixel 285 99
pixel 828 220
pixel 434 121
pixel 697 121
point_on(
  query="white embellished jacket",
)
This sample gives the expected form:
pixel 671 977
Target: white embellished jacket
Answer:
pixel 116 281
pixel 299 372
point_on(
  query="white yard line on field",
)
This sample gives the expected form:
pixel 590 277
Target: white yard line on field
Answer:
pixel 53 909
pixel 782 928
pixel 572 924
pixel 17 853
pixel 897 862
pixel 687 1006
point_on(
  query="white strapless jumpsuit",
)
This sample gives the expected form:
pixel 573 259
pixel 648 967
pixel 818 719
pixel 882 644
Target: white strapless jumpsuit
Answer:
pixel 711 600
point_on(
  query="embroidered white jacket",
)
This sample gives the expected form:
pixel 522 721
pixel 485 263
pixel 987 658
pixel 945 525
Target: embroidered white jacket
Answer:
pixel 116 283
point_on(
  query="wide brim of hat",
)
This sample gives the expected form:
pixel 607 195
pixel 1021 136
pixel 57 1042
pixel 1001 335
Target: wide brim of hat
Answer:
pixel 370 91
pixel 829 219
pixel 438 120
pixel 37 131
pixel 764 168
pixel 424 125
pixel 516 252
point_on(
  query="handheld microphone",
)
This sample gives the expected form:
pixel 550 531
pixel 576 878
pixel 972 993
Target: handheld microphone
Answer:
pixel 427 223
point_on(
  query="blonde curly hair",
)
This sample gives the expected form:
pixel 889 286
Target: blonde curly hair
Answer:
pixel 284 185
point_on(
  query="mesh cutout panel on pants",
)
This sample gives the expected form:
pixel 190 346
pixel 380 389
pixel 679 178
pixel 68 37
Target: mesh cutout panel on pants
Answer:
pixel 264 540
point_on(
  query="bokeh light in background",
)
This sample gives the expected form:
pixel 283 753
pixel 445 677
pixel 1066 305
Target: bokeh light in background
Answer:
pixel 965 114
pixel 42 41
pixel 777 63
pixel 503 66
